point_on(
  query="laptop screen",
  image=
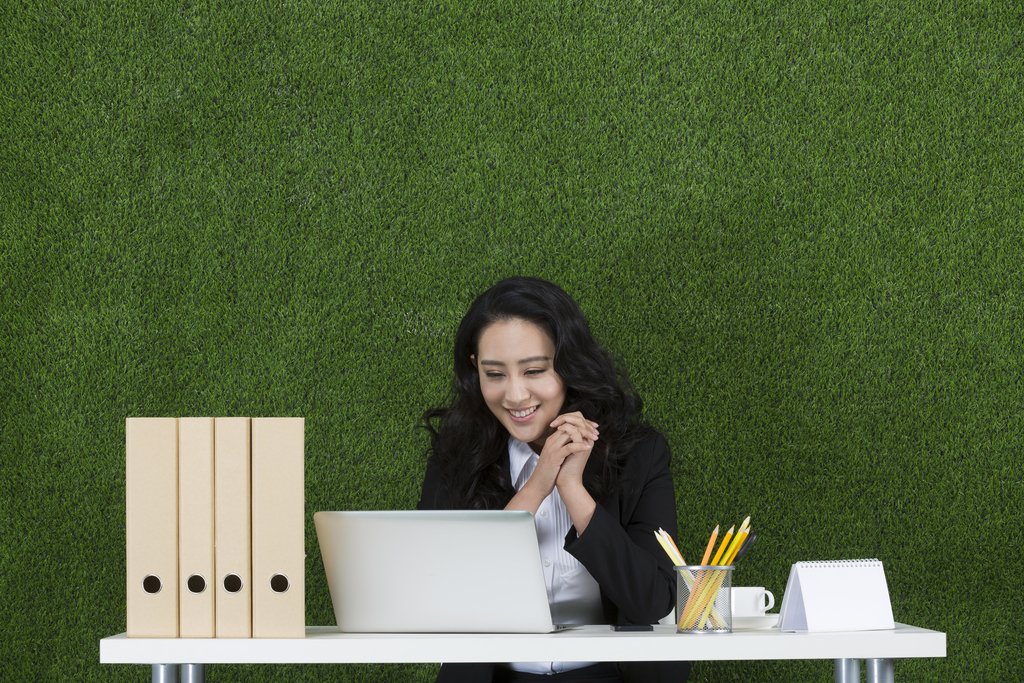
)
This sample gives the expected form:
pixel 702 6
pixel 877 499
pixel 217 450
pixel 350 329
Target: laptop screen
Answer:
pixel 434 571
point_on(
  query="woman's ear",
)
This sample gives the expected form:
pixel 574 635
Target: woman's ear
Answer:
pixel 472 359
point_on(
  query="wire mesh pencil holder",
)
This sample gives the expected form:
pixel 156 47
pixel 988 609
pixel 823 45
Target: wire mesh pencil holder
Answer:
pixel 704 599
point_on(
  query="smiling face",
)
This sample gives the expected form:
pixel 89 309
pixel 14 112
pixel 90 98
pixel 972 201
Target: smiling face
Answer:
pixel 516 362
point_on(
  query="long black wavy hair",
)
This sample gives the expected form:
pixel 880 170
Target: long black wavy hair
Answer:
pixel 469 442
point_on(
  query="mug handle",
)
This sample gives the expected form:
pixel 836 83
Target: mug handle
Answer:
pixel 771 600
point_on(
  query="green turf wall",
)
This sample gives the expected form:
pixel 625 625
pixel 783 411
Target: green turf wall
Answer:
pixel 798 223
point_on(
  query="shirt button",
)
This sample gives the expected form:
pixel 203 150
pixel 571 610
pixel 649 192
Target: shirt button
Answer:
pixel 547 562
pixel 543 513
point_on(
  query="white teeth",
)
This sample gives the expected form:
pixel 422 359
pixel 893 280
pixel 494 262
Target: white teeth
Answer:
pixel 523 413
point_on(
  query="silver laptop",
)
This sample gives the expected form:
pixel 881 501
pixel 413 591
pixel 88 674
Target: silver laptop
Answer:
pixel 439 571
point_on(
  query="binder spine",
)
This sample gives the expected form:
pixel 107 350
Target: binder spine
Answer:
pixel 278 547
pixel 151 526
pixel 196 532
pixel 232 527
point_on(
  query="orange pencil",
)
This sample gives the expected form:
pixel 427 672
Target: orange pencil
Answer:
pixel 716 583
pixel 689 615
pixel 725 544
pixel 726 559
pixel 711 546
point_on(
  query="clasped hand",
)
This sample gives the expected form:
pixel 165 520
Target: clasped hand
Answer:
pixel 561 463
pixel 565 454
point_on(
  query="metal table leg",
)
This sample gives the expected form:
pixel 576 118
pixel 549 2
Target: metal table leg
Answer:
pixel 847 671
pixel 880 671
pixel 193 673
pixel 165 673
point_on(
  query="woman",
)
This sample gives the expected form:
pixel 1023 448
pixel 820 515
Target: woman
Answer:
pixel 542 420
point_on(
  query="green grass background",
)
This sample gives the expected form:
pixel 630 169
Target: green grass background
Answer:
pixel 798 223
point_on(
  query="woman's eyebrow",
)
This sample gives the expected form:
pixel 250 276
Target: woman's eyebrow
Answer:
pixel 531 359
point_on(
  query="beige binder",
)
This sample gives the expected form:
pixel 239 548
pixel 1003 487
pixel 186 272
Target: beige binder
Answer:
pixel 195 528
pixel 151 502
pixel 232 527
pixel 278 528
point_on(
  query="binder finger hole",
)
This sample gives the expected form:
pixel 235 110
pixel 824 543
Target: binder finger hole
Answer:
pixel 279 583
pixel 196 584
pixel 232 583
pixel 152 584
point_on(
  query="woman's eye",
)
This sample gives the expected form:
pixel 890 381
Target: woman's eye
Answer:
pixel 493 375
pixel 535 371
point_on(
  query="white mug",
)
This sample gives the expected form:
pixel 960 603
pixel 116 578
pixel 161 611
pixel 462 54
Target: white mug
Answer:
pixel 750 602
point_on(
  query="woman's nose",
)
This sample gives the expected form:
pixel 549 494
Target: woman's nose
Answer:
pixel 516 391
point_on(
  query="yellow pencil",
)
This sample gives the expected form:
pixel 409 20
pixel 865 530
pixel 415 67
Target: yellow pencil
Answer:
pixel 696 602
pixel 725 542
pixel 668 538
pixel 664 546
pixel 736 545
pixel 723 559
pixel 737 542
pixel 701 601
pixel 687 611
pixel 711 546
pixel 727 559
pixel 692 602
pixel 670 550
pixel 733 547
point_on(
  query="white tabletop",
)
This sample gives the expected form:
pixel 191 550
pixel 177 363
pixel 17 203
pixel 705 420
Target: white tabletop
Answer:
pixel 325 644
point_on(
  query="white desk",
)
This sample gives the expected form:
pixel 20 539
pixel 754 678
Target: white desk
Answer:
pixel 325 644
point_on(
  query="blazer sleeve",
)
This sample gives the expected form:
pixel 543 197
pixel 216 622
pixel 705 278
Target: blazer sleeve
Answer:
pixel 619 548
pixel 430 493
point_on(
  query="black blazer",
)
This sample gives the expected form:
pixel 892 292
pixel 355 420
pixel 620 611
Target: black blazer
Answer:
pixel 618 548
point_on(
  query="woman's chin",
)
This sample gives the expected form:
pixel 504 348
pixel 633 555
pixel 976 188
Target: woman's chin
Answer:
pixel 522 433
pixel 530 432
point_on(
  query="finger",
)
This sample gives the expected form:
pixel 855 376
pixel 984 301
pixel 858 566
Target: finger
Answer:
pixel 569 417
pixel 549 465
pixel 558 438
pixel 580 432
pixel 577 447
pixel 585 425
pixel 577 434
pixel 555 442
pixel 576 458
pixel 576 419
pixel 560 420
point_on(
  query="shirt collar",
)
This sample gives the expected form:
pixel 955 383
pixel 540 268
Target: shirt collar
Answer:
pixel 519 453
